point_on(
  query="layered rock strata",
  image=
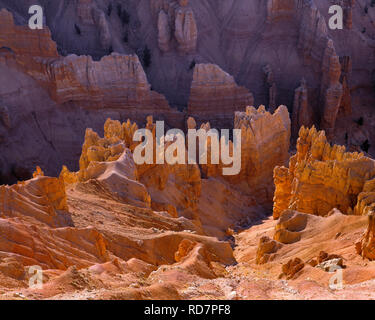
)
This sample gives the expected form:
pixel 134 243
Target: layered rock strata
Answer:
pixel 214 94
pixel 116 81
pixel 302 114
pixel 41 200
pixel 321 177
pixel 176 26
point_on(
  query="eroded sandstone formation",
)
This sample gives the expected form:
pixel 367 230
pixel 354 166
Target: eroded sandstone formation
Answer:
pixel 41 200
pixel 291 268
pixel 117 81
pixel 321 177
pixel 302 114
pixel 270 82
pixel 331 89
pixel 280 9
pixel 318 47
pixel 163 187
pixel 264 145
pixel 23 41
pixel 267 249
pixel 213 89
pixel 117 230
pixel 176 25
pixel 366 246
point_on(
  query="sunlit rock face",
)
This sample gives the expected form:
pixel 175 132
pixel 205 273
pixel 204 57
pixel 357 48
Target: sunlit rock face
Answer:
pixel 321 177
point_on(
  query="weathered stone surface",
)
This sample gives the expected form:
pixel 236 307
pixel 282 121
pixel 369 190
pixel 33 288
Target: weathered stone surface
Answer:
pixel 366 246
pixel 265 144
pixel 272 93
pixel 184 249
pixel 40 200
pixel 280 9
pixel 331 89
pixel 164 31
pixel 214 94
pixel 5 117
pixel 23 41
pixel 302 114
pixel 366 206
pixel 52 248
pixel 186 32
pixel 292 267
pixel 115 80
pixel 176 26
pixel 267 249
pixel 320 177
pixel 289 227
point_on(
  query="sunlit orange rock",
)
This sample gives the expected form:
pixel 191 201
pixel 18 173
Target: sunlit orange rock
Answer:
pixel 321 177
pixel 40 200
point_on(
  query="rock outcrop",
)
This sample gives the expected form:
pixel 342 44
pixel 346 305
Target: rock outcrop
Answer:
pixel 302 114
pixel 318 48
pixel 5 117
pixel 164 31
pixel 52 248
pixel 214 94
pixel 176 26
pixel 291 268
pixel 366 246
pixel 116 81
pixel 109 160
pixel 41 200
pixel 264 145
pixel 289 227
pixel 280 9
pixel 331 89
pixel 321 177
pixel 272 91
pixel 366 206
pixel 346 73
pixel 91 16
pixel 23 41
pixel 267 249
pixel 110 163
pixel 265 140
pixel 347 5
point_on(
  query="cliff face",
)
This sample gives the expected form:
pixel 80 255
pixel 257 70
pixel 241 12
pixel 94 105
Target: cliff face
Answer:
pixel 302 113
pixel 115 81
pixel 213 89
pixel 321 177
pixel 179 34
pixel 265 144
pixel 173 39
pixel 24 41
pixel 280 9
pixel 39 88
